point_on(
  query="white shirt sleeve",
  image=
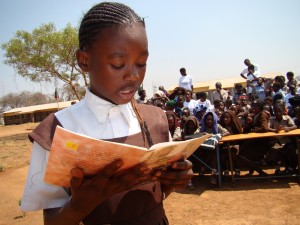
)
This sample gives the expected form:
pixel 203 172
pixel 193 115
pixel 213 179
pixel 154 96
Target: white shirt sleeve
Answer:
pixel 38 194
pixel 257 70
pixel 245 71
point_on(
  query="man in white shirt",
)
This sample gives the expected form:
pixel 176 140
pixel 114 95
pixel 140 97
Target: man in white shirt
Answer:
pixel 185 81
pixel 245 71
pixel 250 75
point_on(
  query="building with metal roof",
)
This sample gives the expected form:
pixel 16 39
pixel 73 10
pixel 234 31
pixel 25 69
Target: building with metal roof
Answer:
pixel 35 113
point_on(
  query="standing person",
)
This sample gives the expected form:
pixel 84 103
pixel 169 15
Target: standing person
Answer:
pixel 251 81
pixel 250 73
pixel 161 88
pixel 142 99
pixel 114 51
pixel 185 80
pixel 291 79
pixel 219 94
pixel 245 71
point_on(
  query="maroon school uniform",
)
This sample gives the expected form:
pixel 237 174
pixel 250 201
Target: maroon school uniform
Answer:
pixel 139 205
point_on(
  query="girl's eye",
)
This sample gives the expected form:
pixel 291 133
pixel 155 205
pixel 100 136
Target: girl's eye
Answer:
pixel 117 67
pixel 141 65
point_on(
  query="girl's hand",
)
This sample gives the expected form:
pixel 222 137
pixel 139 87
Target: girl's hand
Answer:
pixel 280 128
pixel 88 193
pixel 177 175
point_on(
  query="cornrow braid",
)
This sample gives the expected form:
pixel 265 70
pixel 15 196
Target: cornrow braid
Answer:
pixel 143 125
pixel 103 15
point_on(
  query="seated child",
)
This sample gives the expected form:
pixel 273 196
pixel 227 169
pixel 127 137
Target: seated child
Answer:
pixel 174 127
pixel 209 124
pixel 278 123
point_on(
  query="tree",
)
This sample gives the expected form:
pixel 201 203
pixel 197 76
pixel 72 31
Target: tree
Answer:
pixel 46 55
pixel 25 98
pixel 67 93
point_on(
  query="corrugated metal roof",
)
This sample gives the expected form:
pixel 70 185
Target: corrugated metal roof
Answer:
pixel 36 108
pixel 227 83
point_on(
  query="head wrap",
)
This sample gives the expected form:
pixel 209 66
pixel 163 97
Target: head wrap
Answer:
pixel 236 125
pixel 215 123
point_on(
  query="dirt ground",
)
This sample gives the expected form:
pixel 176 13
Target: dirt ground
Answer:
pixel 250 202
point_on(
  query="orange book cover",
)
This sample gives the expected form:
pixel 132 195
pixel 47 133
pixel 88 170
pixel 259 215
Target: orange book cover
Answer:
pixel 70 150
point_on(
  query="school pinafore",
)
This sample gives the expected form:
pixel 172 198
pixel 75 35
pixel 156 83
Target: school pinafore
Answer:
pixel 141 205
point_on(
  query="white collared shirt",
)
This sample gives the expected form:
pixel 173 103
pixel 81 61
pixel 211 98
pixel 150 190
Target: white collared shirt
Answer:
pixel 92 116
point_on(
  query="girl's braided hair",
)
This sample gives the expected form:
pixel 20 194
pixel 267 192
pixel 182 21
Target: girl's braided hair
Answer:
pixel 103 15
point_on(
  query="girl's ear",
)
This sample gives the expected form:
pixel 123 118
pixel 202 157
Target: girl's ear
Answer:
pixel 83 60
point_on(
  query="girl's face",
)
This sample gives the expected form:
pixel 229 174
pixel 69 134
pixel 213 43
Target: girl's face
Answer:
pixel 185 113
pixel 116 62
pixel 278 111
pixel 200 114
pixel 180 102
pixel 227 119
pixel 191 127
pixel 255 108
pixel 188 96
pixel 234 108
pixel 209 122
pixel 171 122
pixel 243 102
pixel 221 106
pixel 203 99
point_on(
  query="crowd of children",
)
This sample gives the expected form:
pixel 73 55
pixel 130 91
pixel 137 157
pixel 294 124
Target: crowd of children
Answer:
pixel 265 109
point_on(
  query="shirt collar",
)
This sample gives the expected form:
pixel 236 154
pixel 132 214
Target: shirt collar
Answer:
pixel 101 108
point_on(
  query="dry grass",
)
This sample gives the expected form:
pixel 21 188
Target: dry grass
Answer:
pixel 15 151
pixel 15 148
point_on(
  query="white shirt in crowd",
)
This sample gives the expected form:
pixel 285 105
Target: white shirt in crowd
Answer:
pixel 256 70
pixel 186 82
pixel 191 105
pixel 250 77
pixel 206 104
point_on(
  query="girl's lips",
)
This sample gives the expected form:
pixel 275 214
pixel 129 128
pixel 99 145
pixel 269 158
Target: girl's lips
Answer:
pixel 127 94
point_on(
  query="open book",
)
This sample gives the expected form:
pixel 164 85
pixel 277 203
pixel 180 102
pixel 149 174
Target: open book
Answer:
pixel 70 150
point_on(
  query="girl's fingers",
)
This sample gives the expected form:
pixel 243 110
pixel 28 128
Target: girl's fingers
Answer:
pixel 132 177
pixel 182 165
pixel 109 170
pixel 77 178
pixel 77 173
pixel 174 174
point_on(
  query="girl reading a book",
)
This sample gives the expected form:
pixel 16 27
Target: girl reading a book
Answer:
pixel 113 49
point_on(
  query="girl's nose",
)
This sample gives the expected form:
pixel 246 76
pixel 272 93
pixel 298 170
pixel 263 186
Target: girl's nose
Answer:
pixel 132 73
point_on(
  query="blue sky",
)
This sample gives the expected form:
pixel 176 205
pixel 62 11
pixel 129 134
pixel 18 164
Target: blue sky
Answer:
pixel 209 38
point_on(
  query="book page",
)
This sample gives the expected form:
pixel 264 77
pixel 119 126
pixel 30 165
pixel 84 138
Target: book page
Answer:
pixel 163 154
pixel 70 150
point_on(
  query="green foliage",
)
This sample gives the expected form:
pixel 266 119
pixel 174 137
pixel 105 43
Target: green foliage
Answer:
pixel 45 55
